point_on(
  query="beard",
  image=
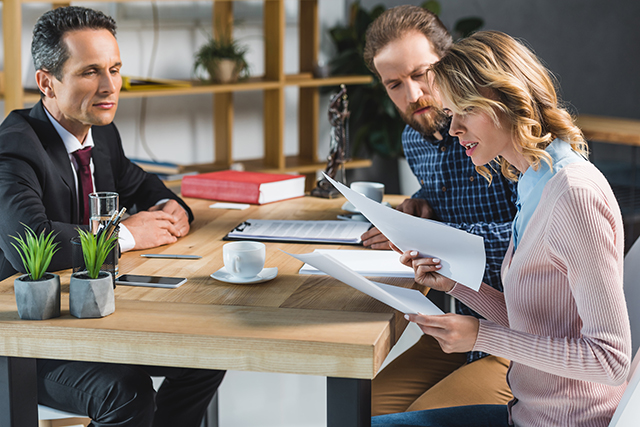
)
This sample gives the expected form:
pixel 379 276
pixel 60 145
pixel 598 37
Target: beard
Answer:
pixel 428 123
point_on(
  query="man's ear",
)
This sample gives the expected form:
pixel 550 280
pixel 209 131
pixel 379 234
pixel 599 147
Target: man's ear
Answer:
pixel 44 79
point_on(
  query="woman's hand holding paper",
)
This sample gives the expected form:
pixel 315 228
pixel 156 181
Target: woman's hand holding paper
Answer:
pixel 455 333
pixel 425 270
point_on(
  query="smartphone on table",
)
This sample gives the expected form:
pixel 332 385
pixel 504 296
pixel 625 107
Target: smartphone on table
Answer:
pixel 150 281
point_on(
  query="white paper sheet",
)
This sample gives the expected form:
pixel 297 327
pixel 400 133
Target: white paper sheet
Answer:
pixel 462 254
pixel 228 205
pixel 408 301
pixel 367 263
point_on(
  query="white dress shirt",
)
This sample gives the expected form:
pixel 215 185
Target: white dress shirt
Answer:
pixel 71 143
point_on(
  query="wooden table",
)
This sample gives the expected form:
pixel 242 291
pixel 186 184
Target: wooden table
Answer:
pixel 296 324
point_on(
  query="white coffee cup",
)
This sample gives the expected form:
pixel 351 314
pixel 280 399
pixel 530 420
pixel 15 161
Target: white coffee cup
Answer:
pixel 244 260
pixel 373 190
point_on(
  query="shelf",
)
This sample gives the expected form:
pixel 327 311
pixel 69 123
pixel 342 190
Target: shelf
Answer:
pixel 609 129
pixel 114 1
pixel 292 164
pixel 307 80
pixel 253 83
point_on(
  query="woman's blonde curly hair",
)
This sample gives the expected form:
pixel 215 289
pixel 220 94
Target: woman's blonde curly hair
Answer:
pixel 524 90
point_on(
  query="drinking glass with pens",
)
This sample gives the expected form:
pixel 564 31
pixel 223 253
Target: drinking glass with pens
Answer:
pixel 103 206
pixel 105 218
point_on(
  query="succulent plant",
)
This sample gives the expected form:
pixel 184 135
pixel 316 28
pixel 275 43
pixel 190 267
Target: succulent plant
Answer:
pixel 36 251
pixel 95 249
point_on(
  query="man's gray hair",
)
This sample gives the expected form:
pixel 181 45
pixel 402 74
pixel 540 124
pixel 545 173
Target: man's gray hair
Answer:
pixel 48 51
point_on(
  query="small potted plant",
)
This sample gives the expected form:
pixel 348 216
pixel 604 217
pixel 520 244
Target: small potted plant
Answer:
pixel 37 292
pixel 223 58
pixel 91 291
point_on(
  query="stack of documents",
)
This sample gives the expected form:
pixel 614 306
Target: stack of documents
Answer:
pixel 367 263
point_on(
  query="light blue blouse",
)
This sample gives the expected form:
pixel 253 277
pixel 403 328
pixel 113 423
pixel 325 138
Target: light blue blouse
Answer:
pixel 531 184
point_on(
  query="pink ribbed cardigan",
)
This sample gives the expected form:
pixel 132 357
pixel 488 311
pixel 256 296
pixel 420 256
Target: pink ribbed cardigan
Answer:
pixel 562 319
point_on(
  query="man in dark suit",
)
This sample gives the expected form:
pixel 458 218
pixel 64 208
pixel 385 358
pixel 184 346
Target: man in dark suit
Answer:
pixel 51 157
pixel 38 182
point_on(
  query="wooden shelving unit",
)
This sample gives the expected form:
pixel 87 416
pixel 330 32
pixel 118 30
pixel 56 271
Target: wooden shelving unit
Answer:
pixel 273 84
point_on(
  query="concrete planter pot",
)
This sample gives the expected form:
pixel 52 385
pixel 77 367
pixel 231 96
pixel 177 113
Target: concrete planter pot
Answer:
pixel 90 298
pixel 38 299
pixel 224 70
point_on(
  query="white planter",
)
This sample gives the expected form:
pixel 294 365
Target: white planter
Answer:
pixel 90 298
pixel 38 299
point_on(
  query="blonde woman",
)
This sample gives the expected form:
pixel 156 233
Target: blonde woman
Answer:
pixel 562 319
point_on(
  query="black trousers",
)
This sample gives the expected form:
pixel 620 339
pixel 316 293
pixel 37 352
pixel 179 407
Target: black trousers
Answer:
pixel 115 395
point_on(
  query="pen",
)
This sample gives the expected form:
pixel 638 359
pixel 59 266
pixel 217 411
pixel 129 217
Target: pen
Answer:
pixel 171 256
pixel 111 227
pixel 102 229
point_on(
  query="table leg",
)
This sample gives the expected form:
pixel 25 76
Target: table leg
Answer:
pixel 18 392
pixel 348 402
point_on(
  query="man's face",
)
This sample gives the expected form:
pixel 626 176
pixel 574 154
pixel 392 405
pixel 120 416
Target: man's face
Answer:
pixel 402 66
pixel 88 93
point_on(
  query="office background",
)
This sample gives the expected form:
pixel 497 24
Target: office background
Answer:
pixel 593 47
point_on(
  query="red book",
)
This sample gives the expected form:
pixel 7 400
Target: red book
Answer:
pixel 243 187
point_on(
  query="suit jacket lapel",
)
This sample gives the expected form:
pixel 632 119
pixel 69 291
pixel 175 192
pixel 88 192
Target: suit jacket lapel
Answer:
pixel 52 144
pixel 102 171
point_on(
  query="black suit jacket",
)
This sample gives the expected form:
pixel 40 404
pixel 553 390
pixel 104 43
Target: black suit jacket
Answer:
pixel 37 186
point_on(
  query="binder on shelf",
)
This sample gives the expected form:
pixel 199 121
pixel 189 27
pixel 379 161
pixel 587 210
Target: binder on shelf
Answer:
pixel 173 176
pixel 166 168
pixel 139 83
pixel 243 187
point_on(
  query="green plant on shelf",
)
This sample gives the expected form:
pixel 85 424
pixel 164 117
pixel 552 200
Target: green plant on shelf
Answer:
pixel 223 58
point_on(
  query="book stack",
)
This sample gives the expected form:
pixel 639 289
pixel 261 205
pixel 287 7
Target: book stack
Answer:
pixel 243 187
pixel 166 171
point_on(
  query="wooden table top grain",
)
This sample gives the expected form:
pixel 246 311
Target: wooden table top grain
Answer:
pixel 299 324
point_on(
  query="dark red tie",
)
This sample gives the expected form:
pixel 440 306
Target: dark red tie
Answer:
pixel 85 181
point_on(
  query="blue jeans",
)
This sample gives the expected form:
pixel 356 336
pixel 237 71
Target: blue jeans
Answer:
pixel 460 416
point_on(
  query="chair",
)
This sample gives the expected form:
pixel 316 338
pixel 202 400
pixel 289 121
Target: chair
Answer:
pixel 632 292
pixel 49 417
pixel 628 411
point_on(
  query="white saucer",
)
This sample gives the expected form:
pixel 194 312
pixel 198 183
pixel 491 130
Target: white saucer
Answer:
pixel 266 274
pixel 348 206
